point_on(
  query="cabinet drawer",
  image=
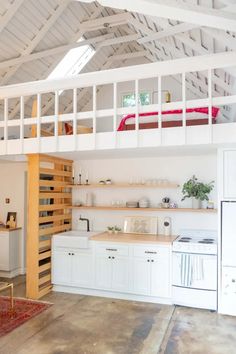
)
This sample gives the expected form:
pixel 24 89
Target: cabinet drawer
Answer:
pixel 121 250
pixel 148 251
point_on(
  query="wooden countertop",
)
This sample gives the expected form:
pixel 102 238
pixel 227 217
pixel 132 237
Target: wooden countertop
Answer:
pixel 133 238
pixel 4 229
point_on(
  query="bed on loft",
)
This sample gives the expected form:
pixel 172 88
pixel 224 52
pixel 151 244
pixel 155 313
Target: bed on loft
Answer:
pixel 171 118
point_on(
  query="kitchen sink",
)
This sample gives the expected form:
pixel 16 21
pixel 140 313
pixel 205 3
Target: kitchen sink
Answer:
pixel 73 238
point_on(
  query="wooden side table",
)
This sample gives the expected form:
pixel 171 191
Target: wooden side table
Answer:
pixel 5 286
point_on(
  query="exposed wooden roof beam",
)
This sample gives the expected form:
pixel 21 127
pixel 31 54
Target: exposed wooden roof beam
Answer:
pixel 126 56
pixel 42 32
pixel 171 31
pixel 9 14
pixel 54 51
pixel 178 53
pixel 97 11
pixel 105 22
pixel 177 10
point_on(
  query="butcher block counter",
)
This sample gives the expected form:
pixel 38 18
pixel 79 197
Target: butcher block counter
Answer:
pixel 7 229
pixel 133 238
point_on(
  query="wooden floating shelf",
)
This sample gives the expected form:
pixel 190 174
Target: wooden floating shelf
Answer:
pixel 125 185
pixel 186 210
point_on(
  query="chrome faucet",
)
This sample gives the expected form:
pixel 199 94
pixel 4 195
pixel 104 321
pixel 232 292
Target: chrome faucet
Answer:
pixel 87 221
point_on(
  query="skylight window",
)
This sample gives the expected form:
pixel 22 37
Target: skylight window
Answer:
pixel 73 62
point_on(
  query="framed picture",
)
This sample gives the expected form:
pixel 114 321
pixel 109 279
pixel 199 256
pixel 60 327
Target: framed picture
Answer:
pixel 11 219
pixel 140 225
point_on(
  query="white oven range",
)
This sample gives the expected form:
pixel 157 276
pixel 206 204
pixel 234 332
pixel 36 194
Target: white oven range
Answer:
pixel 195 269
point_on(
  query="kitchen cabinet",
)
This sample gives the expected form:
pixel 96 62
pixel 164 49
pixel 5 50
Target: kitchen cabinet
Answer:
pixel 151 271
pixel 112 267
pixel 103 272
pixel 82 264
pixel 61 266
pixel 132 271
pixel 9 252
pixel 72 267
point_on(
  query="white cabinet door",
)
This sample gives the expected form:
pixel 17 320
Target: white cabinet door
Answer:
pixel 4 251
pixel 141 276
pixel 61 267
pixel 120 273
pixel 103 271
pixel 229 174
pixel 82 269
pixel 160 274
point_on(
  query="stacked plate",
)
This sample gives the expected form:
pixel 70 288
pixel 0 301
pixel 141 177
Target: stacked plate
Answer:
pixel 143 203
pixel 132 204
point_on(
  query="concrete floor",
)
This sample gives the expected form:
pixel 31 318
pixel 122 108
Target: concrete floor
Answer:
pixel 78 324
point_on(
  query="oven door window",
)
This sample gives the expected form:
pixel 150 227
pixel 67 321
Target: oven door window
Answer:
pixel 195 271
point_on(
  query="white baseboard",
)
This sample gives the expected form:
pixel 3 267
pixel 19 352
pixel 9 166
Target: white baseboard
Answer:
pixel 10 274
pixel 111 294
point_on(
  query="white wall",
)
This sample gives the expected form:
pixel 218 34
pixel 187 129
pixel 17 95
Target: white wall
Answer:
pixel 12 182
pixel 175 169
pixel 105 97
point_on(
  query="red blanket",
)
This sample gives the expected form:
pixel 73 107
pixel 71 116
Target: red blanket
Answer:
pixel 203 110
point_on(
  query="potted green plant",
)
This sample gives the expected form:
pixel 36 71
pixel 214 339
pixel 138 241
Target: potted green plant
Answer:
pixel 110 229
pixel 196 190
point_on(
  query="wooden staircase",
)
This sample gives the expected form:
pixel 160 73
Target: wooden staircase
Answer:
pixel 49 195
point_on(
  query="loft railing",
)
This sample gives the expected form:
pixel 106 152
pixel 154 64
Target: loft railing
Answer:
pixel 33 142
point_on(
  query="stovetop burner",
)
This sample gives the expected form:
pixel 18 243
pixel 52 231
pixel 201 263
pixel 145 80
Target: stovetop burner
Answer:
pixel 209 239
pixel 185 239
pixel 205 241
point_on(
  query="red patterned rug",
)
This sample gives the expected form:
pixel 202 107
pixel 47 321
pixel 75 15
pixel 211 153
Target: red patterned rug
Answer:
pixel 24 310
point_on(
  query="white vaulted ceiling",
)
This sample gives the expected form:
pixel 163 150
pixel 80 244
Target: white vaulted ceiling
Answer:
pixel 35 35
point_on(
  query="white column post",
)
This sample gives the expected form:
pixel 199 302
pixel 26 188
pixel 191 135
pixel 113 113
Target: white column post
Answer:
pixel 160 107
pixel 22 116
pixel 75 117
pixel 115 111
pixel 210 104
pixel 39 120
pixel 6 123
pixel 56 113
pixel 137 110
pixel 184 104
pixel 94 114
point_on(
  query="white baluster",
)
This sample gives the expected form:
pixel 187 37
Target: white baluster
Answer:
pixel 22 116
pixel 160 107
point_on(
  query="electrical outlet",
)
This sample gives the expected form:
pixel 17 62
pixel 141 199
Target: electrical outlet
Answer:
pixel 7 200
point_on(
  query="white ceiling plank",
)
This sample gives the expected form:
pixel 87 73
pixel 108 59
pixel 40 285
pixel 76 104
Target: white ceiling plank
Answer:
pixel 171 31
pixel 43 31
pixel 53 51
pixel 10 13
pixel 118 40
pixel 177 10
pixel 178 53
pixel 78 35
pixel 126 56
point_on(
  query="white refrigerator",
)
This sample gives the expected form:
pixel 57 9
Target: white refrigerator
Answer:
pixel 228 258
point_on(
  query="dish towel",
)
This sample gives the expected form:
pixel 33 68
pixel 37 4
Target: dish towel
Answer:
pixel 197 267
pixel 186 269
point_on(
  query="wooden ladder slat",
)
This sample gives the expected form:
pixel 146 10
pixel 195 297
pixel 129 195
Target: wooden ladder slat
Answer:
pixel 54 229
pixel 54 172
pixel 44 255
pixel 44 291
pixel 51 218
pixel 44 279
pixel 51 207
pixel 44 267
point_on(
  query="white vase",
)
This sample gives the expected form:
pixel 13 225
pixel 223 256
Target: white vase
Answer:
pixel 196 203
